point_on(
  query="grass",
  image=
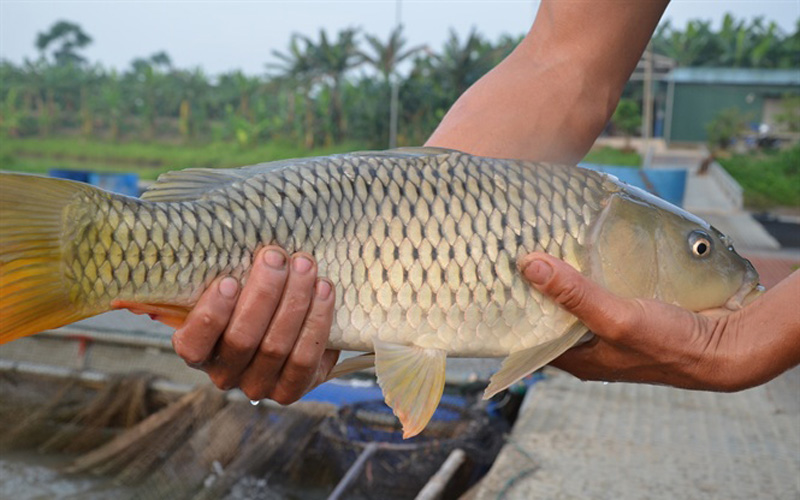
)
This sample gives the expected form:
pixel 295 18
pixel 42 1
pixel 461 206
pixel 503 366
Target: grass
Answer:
pixel 611 156
pixel 146 159
pixel 769 179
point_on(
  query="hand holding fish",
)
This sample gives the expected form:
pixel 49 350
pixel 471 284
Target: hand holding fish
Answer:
pixel 639 340
pixel 269 339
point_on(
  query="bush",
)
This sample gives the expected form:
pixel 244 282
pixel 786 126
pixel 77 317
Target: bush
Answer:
pixel 769 179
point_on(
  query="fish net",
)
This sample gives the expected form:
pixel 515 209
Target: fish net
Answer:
pixel 71 416
pixel 140 443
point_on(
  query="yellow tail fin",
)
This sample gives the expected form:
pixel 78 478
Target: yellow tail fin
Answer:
pixel 33 293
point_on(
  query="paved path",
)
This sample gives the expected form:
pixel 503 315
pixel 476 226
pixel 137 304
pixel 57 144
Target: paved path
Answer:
pixel 577 440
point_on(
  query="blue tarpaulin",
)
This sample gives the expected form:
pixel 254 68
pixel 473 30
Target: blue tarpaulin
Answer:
pixel 666 183
pixel 127 184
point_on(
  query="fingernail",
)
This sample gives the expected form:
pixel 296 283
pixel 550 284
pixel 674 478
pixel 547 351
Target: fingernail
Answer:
pixel 228 287
pixel 301 264
pixel 323 289
pixel 538 272
pixel 274 259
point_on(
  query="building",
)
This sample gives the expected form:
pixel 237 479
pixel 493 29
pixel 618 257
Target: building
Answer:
pixel 696 95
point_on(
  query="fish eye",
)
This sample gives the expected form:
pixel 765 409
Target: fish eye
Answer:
pixel 700 243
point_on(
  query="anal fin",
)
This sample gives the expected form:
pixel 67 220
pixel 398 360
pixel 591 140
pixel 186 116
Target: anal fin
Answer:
pixel 168 314
pixel 521 363
pixel 412 381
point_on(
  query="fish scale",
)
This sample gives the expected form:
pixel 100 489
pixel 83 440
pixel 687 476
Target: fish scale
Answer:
pixel 421 248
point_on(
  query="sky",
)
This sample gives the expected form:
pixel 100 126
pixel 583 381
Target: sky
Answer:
pixel 222 36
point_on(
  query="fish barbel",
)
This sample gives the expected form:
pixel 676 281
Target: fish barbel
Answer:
pixel 422 244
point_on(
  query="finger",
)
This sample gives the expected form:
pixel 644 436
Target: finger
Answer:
pixel 300 370
pixel 596 361
pixel 604 313
pixel 195 340
pixel 326 364
pixel 252 315
pixel 276 346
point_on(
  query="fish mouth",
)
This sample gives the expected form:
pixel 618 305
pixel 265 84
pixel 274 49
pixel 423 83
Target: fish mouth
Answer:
pixel 746 295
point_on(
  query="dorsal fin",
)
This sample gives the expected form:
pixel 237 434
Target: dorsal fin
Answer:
pixel 190 184
pixel 409 151
pixel 195 183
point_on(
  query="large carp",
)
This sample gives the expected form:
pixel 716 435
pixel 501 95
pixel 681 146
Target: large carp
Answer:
pixel 421 244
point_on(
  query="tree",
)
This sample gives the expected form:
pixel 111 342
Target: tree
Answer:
pixel 146 79
pixel 462 64
pixel 298 71
pixel 332 60
pixel 627 119
pixel 385 57
pixel 70 38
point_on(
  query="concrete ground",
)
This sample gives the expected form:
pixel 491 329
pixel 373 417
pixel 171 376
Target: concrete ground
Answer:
pixel 577 440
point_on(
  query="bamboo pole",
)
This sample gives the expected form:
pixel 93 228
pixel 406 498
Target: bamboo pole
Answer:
pixel 437 483
pixel 353 471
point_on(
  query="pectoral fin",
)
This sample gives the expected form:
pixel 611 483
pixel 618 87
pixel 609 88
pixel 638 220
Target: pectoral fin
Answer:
pixel 173 316
pixel 521 363
pixel 354 364
pixel 412 380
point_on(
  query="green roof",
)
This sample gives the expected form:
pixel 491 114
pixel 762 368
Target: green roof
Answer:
pixel 736 76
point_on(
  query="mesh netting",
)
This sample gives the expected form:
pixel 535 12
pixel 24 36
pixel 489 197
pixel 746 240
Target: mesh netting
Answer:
pixel 202 446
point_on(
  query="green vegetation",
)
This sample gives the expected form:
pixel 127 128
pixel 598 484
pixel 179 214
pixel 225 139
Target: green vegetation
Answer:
pixel 611 156
pixel 324 94
pixel 322 90
pixel 725 127
pixel 146 159
pixel 627 118
pixel 769 178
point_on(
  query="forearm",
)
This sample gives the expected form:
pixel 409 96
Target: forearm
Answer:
pixel 553 95
pixel 764 337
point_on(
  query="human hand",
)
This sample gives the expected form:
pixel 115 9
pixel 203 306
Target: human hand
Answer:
pixel 640 340
pixel 269 339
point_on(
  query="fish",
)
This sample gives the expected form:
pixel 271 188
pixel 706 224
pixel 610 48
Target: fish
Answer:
pixel 422 243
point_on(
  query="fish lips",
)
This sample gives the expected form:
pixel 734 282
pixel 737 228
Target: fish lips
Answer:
pixel 745 296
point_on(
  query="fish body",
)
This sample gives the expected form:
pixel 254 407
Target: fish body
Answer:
pixel 421 244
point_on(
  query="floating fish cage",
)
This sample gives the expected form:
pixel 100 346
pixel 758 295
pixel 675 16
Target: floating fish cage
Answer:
pixel 134 436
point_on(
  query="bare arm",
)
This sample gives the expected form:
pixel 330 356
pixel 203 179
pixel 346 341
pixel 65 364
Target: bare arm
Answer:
pixel 551 98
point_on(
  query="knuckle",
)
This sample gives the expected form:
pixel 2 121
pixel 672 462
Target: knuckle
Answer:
pixel 253 393
pixel 274 351
pixel 193 359
pixel 627 320
pixel 303 364
pixel 570 295
pixel 284 398
pixel 188 354
pixel 220 380
pixel 239 343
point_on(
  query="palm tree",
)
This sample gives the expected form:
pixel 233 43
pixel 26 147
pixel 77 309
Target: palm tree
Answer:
pixel 693 47
pixel 332 60
pixel 462 64
pixel 385 58
pixel 298 70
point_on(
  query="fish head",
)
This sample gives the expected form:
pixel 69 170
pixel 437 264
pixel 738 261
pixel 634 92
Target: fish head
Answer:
pixel 645 247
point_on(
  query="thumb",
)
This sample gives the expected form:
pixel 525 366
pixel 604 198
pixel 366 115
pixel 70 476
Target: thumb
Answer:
pixel 601 311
